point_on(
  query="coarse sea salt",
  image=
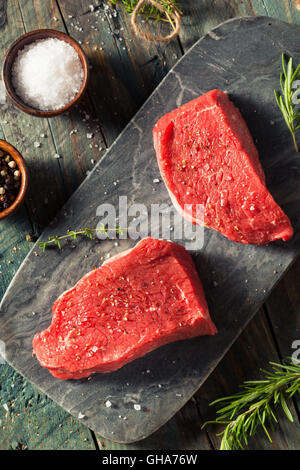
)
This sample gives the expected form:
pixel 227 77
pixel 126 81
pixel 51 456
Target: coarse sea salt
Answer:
pixel 47 74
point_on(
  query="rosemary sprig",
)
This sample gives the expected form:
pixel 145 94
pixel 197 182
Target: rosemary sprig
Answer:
pixel 87 232
pixel 286 101
pixel 254 406
pixel 149 11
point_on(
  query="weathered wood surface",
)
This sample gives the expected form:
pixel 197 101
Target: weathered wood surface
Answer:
pixel 145 65
pixel 243 275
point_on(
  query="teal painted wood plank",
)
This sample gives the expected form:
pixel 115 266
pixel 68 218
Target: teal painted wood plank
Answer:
pixel 76 136
pixel 30 429
pixel 124 70
pixel 29 420
pixel 111 114
pixel 284 10
pixel 201 16
pixel 283 307
pixel 22 131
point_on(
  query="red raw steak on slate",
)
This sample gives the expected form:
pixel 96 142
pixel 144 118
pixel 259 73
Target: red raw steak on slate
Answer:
pixel 139 300
pixel 207 157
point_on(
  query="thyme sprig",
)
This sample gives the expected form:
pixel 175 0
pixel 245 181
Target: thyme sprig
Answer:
pixel 87 232
pixel 286 101
pixel 254 406
pixel 149 11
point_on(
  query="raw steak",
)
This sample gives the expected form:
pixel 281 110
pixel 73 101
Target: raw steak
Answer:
pixel 206 156
pixel 146 297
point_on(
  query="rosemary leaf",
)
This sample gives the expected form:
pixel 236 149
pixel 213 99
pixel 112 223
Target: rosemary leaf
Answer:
pixel 149 11
pixel 285 101
pixel 87 232
pixel 254 406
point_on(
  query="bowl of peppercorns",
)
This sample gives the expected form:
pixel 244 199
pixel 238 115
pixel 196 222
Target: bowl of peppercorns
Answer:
pixel 13 179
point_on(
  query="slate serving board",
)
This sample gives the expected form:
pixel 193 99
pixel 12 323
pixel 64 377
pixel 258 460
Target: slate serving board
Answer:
pixel 242 57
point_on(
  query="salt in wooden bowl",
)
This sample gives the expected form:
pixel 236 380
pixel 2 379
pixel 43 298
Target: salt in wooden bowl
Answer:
pixel 10 58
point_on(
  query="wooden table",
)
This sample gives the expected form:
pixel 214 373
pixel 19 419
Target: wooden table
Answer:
pixel 124 71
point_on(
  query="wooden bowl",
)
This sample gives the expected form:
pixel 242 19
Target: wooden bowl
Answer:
pixel 11 56
pixel 17 157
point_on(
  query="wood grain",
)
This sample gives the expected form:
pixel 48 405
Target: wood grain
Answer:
pixel 54 272
pixel 2 13
pixel 149 67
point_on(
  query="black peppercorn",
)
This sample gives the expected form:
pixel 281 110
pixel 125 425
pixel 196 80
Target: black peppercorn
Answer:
pixel 10 179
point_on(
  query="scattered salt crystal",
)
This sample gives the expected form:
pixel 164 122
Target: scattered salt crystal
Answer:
pixel 47 74
pixel 137 407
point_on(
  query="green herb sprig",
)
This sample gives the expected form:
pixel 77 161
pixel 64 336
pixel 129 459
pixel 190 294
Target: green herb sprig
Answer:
pixel 149 11
pixel 285 101
pixel 87 232
pixel 254 406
